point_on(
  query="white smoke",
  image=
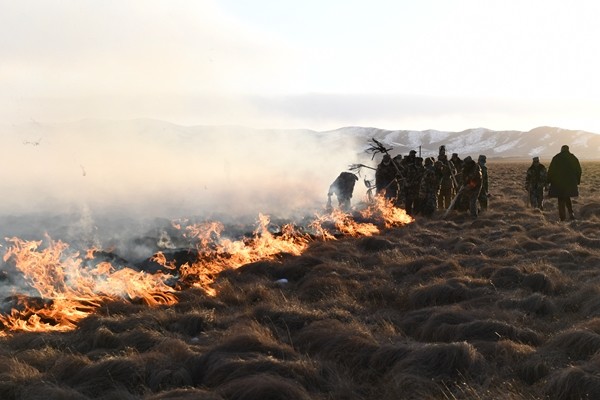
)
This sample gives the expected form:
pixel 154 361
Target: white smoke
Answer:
pixel 146 169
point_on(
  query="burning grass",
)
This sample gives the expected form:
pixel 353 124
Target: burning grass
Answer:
pixel 504 306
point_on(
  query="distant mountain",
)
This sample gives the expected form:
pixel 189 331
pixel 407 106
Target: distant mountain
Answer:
pixel 543 141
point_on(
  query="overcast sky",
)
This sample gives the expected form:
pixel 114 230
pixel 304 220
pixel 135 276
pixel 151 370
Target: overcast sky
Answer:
pixel 316 64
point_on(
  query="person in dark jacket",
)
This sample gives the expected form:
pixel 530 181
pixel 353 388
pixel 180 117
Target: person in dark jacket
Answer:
pixel 342 187
pixel 386 179
pixel 564 175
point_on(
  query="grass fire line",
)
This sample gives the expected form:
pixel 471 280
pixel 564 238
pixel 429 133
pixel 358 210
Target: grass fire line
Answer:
pixel 71 290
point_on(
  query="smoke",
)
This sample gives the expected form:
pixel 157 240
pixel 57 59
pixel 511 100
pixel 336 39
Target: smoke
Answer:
pixel 96 181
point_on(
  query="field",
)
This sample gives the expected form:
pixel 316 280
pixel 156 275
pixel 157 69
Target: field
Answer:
pixel 505 306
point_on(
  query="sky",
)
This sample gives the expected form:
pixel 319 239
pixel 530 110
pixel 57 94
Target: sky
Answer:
pixel 398 64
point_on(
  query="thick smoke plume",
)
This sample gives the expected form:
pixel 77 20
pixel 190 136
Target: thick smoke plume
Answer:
pixel 94 179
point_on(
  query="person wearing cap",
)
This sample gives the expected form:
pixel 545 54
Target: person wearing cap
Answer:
pixel 484 193
pixel 564 175
pixel 471 179
pixel 536 181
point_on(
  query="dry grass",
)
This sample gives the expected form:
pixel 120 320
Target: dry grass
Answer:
pixel 505 306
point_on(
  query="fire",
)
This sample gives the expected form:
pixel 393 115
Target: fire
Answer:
pixel 216 254
pixel 381 211
pixel 74 291
pixel 384 210
pixel 71 288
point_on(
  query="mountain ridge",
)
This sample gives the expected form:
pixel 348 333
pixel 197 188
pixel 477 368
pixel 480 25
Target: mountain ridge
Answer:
pixel 541 141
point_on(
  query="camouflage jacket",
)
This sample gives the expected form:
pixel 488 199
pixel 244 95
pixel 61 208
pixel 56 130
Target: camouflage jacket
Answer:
pixel 430 183
pixel 537 177
pixel 471 177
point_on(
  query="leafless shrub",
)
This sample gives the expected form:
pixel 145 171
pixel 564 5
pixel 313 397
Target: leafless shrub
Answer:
pixel 253 338
pixel 185 394
pixel 539 282
pixel 585 299
pixel 41 359
pixel 573 383
pixel 374 244
pixel 14 376
pixel 443 361
pixel 12 369
pixel 534 304
pixel 285 319
pixel 313 288
pixel 486 330
pixel 386 356
pixel 347 344
pixel 44 391
pixel 163 372
pixel 67 366
pixel 576 344
pixel 407 386
pixel 223 368
pixel 447 292
pixel 413 266
pixel 121 373
pixel 263 386
pixel 507 277
pixel 191 323
pixel 505 353
pixel 589 210
pixel 532 371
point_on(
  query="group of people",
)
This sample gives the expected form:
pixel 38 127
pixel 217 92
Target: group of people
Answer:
pixel 560 180
pixel 423 185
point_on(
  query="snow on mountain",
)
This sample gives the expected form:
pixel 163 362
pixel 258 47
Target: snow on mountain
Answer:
pixel 543 142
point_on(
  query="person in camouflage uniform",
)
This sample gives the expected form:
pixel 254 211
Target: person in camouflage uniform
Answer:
pixel 536 181
pixel 472 181
pixel 428 189
pixel 484 193
pixel 386 183
pixel 414 173
pixel 446 183
pixel 343 187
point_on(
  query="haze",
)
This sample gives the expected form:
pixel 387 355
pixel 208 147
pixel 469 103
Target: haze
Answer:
pixel 68 68
pixel 433 64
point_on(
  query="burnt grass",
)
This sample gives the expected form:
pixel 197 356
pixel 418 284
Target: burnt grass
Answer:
pixel 505 306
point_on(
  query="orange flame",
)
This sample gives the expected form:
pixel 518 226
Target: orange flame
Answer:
pixel 74 291
pixel 71 291
pixel 384 210
pixel 217 254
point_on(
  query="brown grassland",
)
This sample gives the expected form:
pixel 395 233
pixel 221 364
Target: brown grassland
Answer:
pixel 505 306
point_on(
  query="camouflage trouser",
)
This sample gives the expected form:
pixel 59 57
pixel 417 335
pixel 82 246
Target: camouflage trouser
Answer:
pixel 472 196
pixel 445 198
pixel 483 200
pixel 536 198
pixel 428 204
pixel 411 203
